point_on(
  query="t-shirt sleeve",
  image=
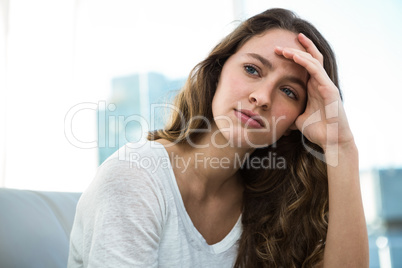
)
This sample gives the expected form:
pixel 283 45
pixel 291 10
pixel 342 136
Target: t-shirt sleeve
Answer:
pixel 119 219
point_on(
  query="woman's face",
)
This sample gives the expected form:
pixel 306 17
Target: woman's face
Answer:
pixel 260 94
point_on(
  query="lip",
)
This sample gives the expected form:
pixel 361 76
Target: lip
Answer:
pixel 250 118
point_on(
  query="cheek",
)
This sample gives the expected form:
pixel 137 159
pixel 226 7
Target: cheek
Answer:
pixel 234 86
pixel 284 118
pixel 229 91
pixel 232 80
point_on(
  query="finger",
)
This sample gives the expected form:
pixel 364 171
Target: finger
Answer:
pixel 288 52
pixel 313 67
pixel 311 48
pixel 306 60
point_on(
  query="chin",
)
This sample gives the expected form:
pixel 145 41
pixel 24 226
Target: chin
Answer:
pixel 241 140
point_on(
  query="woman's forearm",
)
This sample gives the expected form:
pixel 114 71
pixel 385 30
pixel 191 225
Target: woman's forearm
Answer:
pixel 347 240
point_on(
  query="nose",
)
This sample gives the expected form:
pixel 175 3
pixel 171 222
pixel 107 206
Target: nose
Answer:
pixel 261 98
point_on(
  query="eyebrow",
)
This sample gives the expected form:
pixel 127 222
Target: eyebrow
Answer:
pixel 263 60
pixel 296 80
pixel 269 65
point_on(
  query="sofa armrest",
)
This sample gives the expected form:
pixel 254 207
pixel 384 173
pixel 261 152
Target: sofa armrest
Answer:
pixel 35 227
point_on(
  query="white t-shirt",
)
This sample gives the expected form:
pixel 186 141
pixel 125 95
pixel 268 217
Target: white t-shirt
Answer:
pixel 132 215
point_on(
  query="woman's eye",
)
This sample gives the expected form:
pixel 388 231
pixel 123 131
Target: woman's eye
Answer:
pixel 251 70
pixel 289 92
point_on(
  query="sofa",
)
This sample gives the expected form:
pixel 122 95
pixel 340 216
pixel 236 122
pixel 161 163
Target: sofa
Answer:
pixel 35 228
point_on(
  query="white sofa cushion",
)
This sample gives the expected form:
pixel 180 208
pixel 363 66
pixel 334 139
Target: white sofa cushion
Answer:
pixel 35 228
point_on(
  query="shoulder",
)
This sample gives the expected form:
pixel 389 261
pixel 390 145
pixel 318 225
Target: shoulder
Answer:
pixel 135 162
pixel 126 206
pixel 134 174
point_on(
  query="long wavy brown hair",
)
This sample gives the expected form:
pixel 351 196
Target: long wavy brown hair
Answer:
pixel 285 210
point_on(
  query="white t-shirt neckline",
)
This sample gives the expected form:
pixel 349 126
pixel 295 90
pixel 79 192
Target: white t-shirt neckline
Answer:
pixel 232 237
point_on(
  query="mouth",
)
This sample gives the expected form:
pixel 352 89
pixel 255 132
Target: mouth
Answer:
pixel 250 118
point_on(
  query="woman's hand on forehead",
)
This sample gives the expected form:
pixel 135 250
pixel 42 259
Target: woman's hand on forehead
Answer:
pixel 324 105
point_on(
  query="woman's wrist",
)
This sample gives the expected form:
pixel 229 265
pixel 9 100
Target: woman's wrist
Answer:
pixel 335 153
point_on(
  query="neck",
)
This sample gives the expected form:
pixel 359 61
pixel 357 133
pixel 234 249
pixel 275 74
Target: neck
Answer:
pixel 210 166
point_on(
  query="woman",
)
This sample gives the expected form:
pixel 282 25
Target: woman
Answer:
pixel 261 170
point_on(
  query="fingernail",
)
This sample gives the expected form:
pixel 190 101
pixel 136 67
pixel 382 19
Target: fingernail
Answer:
pixel 278 47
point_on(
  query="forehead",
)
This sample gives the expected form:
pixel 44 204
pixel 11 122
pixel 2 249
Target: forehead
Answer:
pixel 267 41
pixel 264 45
